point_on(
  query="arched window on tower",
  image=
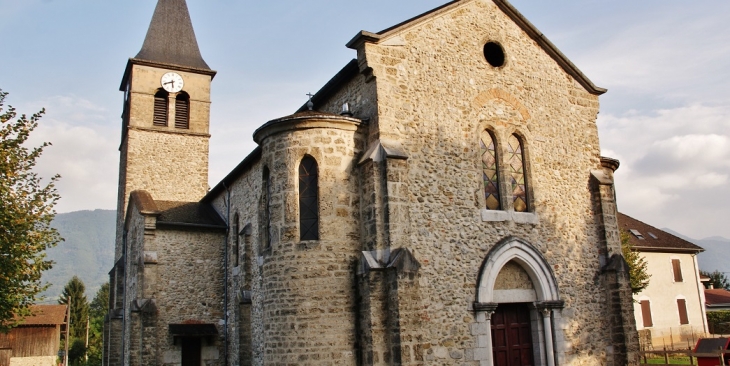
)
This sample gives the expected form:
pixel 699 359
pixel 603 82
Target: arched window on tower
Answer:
pixel 517 176
pixel 182 111
pixel 237 241
pixel 308 200
pixel 160 113
pixel 265 212
pixel 490 170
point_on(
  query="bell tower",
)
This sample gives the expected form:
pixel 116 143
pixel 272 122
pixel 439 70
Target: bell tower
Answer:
pixel 166 116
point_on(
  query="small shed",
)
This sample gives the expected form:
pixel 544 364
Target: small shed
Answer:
pixel 35 341
pixel 707 353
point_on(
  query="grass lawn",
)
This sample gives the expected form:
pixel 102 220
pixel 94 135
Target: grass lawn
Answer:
pixel 672 361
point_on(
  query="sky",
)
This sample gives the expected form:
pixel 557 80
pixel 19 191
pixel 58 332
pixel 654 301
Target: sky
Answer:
pixel 665 63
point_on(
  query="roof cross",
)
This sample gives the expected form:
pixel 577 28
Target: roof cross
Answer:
pixel 310 104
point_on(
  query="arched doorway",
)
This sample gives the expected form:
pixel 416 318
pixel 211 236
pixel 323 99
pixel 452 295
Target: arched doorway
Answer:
pixel 515 302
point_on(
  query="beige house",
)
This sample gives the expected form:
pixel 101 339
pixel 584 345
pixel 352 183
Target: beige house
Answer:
pixel 441 200
pixel 671 310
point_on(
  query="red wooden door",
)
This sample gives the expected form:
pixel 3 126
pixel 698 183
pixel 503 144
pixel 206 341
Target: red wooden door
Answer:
pixel 512 335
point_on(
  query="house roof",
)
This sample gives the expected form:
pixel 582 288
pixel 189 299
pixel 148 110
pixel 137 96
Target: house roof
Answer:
pixel 45 315
pixel 717 297
pixel 646 238
pixel 512 13
pixel 170 38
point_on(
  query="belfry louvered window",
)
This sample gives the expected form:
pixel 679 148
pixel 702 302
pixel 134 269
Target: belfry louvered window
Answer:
pixel 308 200
pixel 160 111
pixel 517 177
pixel 490 170
pixel 182 111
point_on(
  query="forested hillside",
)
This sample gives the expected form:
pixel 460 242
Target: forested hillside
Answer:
pixel 87 252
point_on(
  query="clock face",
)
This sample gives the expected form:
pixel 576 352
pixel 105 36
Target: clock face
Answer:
pixel 172 82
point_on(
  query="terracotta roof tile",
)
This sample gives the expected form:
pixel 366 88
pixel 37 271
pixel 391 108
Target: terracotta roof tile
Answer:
pixel 717 296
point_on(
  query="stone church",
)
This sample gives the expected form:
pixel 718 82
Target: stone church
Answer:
pixel 442 200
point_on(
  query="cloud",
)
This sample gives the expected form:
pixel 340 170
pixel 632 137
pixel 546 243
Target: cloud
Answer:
pixel 83 151
pixel 675 163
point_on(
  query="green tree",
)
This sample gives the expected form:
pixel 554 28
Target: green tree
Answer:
pixel 73 294
pixel 637 265
pixel 26 212
pixel 76 352
pixel 97 311
pixel 717 279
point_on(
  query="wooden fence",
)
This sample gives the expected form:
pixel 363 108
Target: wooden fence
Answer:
pixel 668 355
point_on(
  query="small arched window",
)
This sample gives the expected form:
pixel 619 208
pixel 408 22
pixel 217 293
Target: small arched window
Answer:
pixel 182 111
pixel 160 113
pixel 308 200
pixel 237 241
pixel 517 177
pixel 490 171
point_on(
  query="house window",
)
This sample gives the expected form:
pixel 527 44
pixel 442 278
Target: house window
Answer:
pixel 682 308
pixel 677 270
pixel 182 111
pixel 646 313
pixel 517 178
pixel 490 171
pixel 160 113
pixel 308 200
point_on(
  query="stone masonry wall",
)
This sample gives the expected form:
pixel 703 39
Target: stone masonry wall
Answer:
pixel 436 93
pixel 170 163
pixel 182 271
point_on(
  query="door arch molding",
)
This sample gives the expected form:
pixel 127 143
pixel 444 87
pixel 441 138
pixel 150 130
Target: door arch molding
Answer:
pixel 528 257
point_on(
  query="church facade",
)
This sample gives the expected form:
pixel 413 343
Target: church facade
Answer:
pixel 441 200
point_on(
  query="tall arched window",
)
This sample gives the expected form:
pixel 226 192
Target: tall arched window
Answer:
pixel 490 171
pixel 517 177
pixel 266 212
pixel 308 200
pixel 182 111
pixel 160 113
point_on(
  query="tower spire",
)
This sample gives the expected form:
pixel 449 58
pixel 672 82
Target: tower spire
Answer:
pixel 170 38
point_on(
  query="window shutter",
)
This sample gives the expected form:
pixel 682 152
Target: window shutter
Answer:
pixel 682 307
pixel 677 270
pixel 646 313
pixel 160 112
pixel 182 112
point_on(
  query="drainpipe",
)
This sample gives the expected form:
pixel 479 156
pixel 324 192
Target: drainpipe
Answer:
pixel 124 293
pixel 699 295
pixel 225 275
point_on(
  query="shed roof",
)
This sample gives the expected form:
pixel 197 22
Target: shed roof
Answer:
pixel 647 238
pixel 45 315
pixel 198 214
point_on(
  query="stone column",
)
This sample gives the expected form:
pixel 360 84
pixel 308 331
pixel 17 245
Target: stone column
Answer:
pixel 482 331
pixel 548 329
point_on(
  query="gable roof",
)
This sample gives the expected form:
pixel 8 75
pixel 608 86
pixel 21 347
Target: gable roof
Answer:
pixel 717 297
pixel 654 240
pixel 45 315
pixel 512 13
pixel 170 38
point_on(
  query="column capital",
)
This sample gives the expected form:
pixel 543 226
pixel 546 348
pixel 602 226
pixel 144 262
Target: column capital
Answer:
pixel 485 306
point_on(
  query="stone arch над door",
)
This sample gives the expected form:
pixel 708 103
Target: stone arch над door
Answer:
pixel 525 255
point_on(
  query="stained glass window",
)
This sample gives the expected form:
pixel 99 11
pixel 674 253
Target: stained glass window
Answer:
pixel 308 200
pixel 517 179
pixel 490 174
